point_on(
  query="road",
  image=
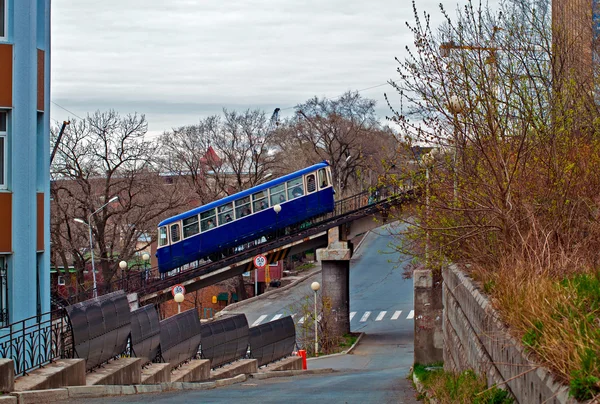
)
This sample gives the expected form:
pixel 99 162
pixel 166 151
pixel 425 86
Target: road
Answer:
pixel 376 370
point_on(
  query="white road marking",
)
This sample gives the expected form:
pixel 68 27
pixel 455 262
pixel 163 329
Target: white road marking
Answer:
pixel 396 315
pixel 259 320
pixel 365 316
pixel 301 321
pixel 352 314
pixel 276 317
pixel 381 316
pixel 411 315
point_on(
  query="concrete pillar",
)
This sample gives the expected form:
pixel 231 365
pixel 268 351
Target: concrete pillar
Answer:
pixel 335 264
pixel 429 337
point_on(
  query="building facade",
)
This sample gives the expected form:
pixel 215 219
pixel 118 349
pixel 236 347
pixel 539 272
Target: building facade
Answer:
pixel 24 159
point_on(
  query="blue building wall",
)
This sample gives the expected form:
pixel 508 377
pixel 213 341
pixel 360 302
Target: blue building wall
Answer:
pixel 27 159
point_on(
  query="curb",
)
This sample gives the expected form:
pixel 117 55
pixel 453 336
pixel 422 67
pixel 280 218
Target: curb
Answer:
pixel 237 305
pixel 79 392
pixel 288 373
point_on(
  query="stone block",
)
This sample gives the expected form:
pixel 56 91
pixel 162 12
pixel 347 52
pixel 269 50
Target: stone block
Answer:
pixel 7 375
pixel 62 373
pixel 244 366
pixel 156 373
pixel 127 390
pixel 87 391
pixel 147 388
pixel 422 279
pixel 42 396
pixel 114 390
pixel 196 370
pixel 290 363
pixel 122 371
pixel 8 400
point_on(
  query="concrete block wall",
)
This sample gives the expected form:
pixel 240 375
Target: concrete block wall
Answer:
pixel 475 338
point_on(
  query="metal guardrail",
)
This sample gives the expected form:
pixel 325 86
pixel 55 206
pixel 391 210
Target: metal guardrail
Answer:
pixel 225 340
pixel 37 341
pixel 145 332
pixel 273 340
pixel 180 337
pixel 150 280
pixel 101 327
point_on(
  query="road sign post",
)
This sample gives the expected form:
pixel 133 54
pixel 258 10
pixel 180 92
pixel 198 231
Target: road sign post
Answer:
pixel 178 292
pixel 260 261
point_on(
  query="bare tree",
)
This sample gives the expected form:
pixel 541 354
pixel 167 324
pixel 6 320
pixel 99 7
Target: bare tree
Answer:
pixel 100 157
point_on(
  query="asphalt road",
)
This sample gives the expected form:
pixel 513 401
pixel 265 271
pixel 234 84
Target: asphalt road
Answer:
pixel 376 370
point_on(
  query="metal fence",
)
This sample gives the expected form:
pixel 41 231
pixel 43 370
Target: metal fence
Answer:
pixel 145 332
pixel 180 337
pixel 37 341
pixel 273 340
pixel 101 327
pixel 226 340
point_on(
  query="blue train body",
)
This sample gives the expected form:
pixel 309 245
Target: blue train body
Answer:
pixel 244 217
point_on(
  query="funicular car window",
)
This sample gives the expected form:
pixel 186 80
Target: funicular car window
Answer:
pixel 225 213
pixel 260 201
pixel 175 235
pixel 277 194
pixel 295 188
pixel 323 178
pixel 242 207
pixel 190 226
pixel 311 184
pixel 162 236
pixel 207 220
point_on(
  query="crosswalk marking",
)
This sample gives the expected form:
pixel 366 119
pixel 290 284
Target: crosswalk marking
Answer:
pixel 381 316
pixel 352 314
pixel 365 316
pixel 396 314
pixel 276 317
pixel 259 320
pixel 411 315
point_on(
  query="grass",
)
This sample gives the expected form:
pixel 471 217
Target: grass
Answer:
pixel 465 387
pixel 558 318
pixel 305 266
pixel 348 340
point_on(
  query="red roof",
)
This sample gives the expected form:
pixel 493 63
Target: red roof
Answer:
pixel 210 157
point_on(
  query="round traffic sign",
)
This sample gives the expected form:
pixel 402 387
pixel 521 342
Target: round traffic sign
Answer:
pixel 260 261
pixel 178 289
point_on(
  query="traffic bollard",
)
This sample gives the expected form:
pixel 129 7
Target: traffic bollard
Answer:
pixel 302 354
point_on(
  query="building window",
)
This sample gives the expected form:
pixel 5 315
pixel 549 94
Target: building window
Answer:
pixel 3 30
pixel 3 134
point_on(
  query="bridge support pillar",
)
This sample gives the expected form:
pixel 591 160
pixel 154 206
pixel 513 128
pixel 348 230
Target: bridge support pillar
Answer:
pixel 335 264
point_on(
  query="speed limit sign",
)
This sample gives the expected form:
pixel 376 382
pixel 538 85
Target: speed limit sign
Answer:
pixel 178 289
pixel 260 261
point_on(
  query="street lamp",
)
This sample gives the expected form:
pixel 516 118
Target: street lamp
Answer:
pixel 277 209
pixel 315 286
pixel 123 265
pixel 179 297
pixel 146 259
pixel 89 225
pixel 348 158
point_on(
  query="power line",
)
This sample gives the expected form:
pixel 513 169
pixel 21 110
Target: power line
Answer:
pixel 70 112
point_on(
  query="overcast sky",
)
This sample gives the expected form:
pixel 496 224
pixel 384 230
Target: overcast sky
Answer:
pixel 178 60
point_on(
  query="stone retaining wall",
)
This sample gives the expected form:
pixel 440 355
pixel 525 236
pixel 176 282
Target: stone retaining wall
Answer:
pixel 475 338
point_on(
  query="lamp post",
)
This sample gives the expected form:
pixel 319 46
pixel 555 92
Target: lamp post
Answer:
pixel 89 225
pixel 315 286
pixel 340 173
pixel 179 297
pixel 277 209
pixel 146 258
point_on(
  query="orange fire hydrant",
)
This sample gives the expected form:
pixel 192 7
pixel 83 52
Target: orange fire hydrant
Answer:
pixel 302 354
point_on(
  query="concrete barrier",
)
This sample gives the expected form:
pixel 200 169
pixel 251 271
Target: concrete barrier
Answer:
pixel 62 373
pixel 243 366
pixel 7 375
pixel 156 373
pixel 123 371
pixel 196 370
pixel 290 363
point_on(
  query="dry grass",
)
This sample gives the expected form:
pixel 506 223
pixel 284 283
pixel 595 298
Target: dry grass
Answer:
pixel 558 318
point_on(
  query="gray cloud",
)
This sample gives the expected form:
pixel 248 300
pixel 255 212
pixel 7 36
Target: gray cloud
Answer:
pixel 179 60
